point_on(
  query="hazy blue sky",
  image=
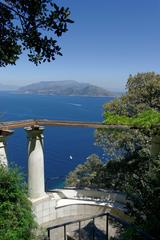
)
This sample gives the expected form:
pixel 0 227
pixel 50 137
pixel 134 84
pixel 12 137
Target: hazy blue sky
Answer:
pixel 109 40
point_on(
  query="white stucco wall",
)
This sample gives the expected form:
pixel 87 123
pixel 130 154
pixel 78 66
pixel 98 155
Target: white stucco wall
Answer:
pixel 51 207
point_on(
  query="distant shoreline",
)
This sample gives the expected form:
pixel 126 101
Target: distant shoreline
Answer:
pixel 57 95
pixel 54 95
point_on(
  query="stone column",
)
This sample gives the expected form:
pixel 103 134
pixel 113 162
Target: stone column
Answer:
pixel 155 145
pixel 36 186
pixel 3 155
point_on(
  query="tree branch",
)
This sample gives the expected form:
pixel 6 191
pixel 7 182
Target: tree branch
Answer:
pixel 12 9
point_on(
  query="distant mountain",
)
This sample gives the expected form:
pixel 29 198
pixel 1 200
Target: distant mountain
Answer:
pixel 64 88
pixel 4 87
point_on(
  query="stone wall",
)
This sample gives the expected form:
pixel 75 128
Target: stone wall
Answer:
pixel 44 209
pixel 74 203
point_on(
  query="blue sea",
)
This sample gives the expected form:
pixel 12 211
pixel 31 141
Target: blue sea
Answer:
pixel 59 142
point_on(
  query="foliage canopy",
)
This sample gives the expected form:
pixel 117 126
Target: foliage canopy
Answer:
pixel 16 219
pixel 147 119
pixel 142 93
pixel 31 25
pixel 84 174
pixel 132 168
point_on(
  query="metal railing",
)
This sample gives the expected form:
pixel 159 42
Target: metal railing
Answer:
pixel 107 216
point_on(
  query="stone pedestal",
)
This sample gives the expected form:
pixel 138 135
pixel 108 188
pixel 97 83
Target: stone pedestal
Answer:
pixel 3 155
pixel 155 145
pixel 36 186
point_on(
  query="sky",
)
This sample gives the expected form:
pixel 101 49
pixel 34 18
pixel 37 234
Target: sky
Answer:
pixel 109 40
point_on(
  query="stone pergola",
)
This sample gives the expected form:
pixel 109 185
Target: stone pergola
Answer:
pixel 34 130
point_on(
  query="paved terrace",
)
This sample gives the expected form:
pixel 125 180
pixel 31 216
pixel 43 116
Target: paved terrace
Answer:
pixel 74 204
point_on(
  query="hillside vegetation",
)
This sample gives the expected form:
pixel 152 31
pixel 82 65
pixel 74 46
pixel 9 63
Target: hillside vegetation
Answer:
pixel 16 217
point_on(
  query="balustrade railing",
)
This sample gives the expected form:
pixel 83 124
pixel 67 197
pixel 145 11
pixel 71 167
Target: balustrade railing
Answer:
pixel 92 235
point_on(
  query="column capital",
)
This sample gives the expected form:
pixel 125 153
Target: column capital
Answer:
pixel 35 131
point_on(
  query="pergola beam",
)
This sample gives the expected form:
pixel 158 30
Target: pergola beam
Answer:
pixel 58 123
